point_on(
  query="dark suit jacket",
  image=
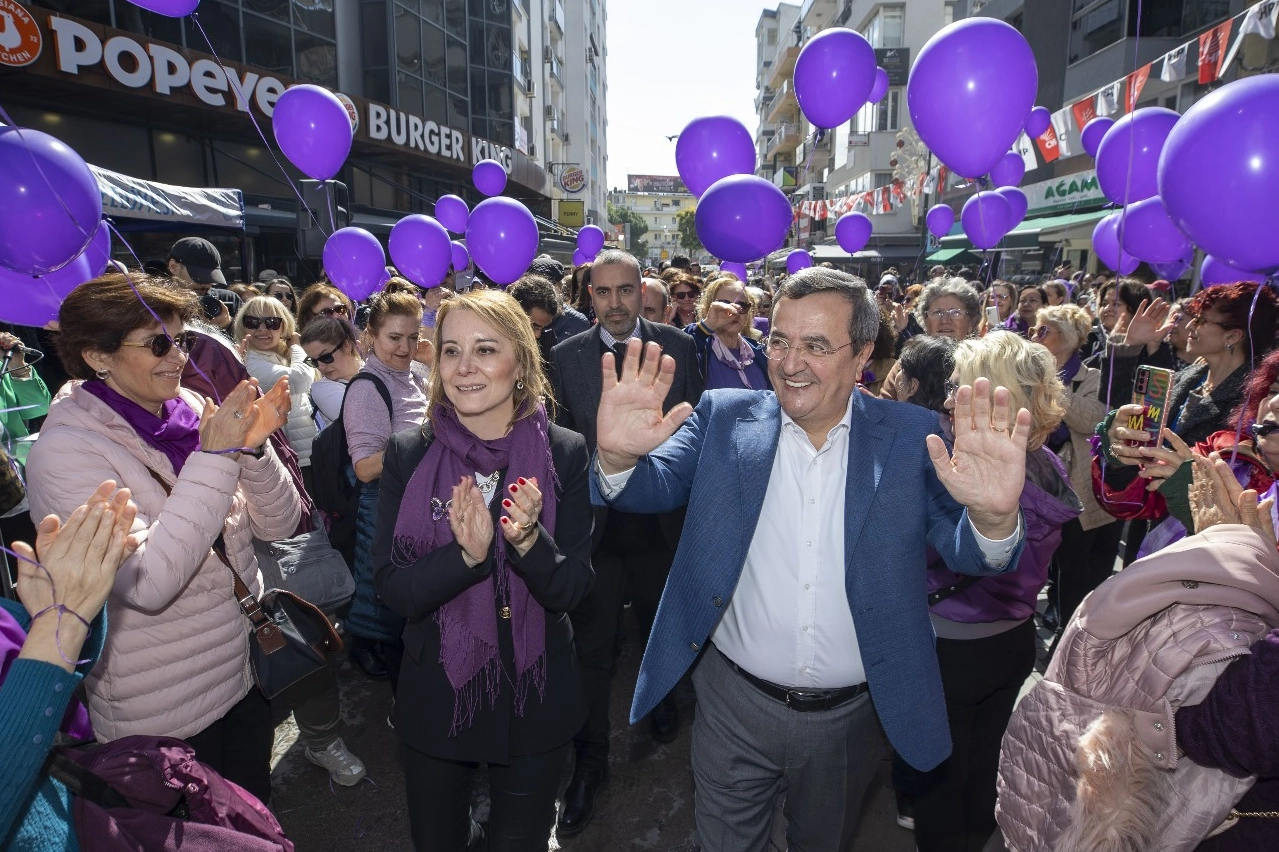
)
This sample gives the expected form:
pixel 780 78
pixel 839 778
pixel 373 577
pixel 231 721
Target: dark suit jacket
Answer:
pixel 557 572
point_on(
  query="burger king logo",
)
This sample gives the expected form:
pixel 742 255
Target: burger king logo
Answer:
pixel 20 41
pixel 572 180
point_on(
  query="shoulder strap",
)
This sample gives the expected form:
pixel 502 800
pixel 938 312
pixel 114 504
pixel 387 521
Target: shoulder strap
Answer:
pixel 82 782
pixel 942 594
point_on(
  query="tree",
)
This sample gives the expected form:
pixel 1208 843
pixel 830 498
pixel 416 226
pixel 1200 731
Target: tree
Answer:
pixel 688 240
pixel 624 216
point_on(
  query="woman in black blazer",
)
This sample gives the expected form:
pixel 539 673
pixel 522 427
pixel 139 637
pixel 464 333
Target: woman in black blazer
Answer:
pixel 483 545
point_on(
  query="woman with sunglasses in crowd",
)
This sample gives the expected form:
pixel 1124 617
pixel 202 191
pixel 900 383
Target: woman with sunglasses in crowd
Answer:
pixel 729 354
pixel 176 661
pixel 282 289
pixel 686 293
pixel 330 347
pixel 321 300
pixel 268 338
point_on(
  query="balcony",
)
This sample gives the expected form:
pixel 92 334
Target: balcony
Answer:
pixel 764 99
pixel 784 105
pixel 557 70
pixel 783 63
pixel 557 15
pixel 786 139
pixel 813 154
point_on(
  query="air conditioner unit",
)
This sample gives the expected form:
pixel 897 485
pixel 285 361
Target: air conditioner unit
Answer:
pixel 566 139
pixel 550 111
pixel 528 87
pixel 547 55
pixel 532 150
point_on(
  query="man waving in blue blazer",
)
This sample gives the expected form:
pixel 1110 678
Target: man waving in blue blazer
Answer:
pixel 797 595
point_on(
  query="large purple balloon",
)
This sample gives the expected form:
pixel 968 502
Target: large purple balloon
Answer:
pixel 880 87
pixel 834 75
pixel 502 237
pixel 50 205
pixel 459 256
pixel 738 269
pixel 313 130
pixel 970 90
pixel 1149 233
pixel 354 262
pixel 580 258
pixel 940 219
pixel 420 250
pixel 1009 171
pixel 1105 242
pixel 489 177
pixel 27 299
pixel 743 218
pixel 797 260
pixel 168 8
pixel 1173 270
pixel 1094 131
pixel 711 148
pixel 1214 271
pixel 1038 121
pixel 1017 204
pixel 590 239
pixel 452 213
pixel 986 217
pixel 1128 158
pixel 852 231
pixel 1219 170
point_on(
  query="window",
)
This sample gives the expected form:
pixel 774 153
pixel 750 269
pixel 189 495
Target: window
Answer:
pixel 948 13
pixel 883 116
pixel 770 37
pixel 1099 27
pixel 887 28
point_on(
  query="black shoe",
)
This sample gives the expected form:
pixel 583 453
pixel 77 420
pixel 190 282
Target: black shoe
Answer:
pixel 579 800
pixel 368 659
pixel 663 721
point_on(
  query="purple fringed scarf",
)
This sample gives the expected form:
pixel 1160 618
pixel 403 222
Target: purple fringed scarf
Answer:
pixel 176 433
pixel 468 623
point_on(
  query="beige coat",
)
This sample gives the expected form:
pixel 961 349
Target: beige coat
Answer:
pixel 1083 412
pixel 176 656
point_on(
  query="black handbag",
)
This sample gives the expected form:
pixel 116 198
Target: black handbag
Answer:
pixel 308 566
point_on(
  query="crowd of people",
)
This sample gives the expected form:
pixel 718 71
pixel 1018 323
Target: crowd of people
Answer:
pixel 835 509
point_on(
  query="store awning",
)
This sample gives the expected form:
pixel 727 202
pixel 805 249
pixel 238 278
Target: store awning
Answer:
pixel 181 206
pixel 952 255
pixel 834 253
pixel 1030 232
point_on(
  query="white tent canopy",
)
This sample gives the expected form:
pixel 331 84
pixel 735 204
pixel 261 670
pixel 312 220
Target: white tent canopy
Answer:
pixel 133 198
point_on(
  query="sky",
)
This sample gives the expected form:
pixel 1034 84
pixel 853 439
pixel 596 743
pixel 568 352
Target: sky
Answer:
pixel 669 62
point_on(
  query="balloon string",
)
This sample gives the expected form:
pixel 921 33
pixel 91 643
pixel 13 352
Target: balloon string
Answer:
pixel 60 609
pixel 1270 281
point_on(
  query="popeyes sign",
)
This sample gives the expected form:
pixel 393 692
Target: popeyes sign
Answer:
pixel 20 40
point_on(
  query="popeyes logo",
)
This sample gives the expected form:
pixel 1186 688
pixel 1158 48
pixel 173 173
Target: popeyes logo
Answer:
pixel 19 36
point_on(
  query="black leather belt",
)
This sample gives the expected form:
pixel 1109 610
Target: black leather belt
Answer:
pixel 800 700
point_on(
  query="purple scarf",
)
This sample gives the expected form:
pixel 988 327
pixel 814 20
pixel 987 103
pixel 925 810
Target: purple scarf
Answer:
pixel 176 432
pixel 468 623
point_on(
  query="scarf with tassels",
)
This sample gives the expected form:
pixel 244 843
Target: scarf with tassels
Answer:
pixel 468 623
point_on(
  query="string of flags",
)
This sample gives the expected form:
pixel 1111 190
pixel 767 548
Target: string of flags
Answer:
pixel 884 199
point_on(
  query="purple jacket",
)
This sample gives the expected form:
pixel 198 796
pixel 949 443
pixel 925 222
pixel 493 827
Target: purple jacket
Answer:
pixel 1047 503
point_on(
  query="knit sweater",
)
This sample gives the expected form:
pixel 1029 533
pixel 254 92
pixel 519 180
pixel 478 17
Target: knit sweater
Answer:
pixel 368 424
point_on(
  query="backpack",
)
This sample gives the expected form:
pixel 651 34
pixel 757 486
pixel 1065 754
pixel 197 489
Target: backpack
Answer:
pixel 335 495
pixel 151 793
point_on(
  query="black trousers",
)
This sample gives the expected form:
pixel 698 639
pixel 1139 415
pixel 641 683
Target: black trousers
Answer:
pixel 633 552
pixel 1084 559
pixel 522 797
pixel 955 803
pixel 239 744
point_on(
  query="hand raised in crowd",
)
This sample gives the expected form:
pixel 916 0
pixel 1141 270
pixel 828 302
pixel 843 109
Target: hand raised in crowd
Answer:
pixel 1160 463
pixel 720 314
pixel 523 507
pixel 470 521
pixel 1216 497
pixel 1122 453
pixel 425 353
pixel 244 420
pixel 987 469
pixel 671 313
pixel 901 316
pixel 630 422
pixel 1150 325
pixel 243 348
pixel 11 344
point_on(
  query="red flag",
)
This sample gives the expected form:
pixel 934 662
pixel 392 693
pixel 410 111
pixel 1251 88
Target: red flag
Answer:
pixel 1137 82
pixel 1212 50
pixel 1084 112
pixel 1047 144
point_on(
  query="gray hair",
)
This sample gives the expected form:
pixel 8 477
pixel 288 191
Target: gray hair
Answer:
pixel 956 288
pixel 863 328
pixel 660 286
pixel 614 257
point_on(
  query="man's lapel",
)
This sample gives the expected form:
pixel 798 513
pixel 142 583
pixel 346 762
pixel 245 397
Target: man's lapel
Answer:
pixel 588 362
pixel 755 439
pixel 869 449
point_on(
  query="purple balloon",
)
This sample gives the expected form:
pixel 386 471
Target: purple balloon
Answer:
pixel 880 87
pixel 1218 173
pixel 1039 120
pixel 313 130
pixel 1094 131
pixel 50 205
pixel 738 269
pixel 168 8
pixel 452 213
pixel 940 219
pixel 1149 233
pixel 834 75
pixel 354 262
pixel 580 258
pixel 1214 271
pixel 974 67
pixel 420 250
pixel 852 231
pixel 1017 204
pixel 1175 269
pixel 502 237
pixel 459 256
pixel 1128 158
pixel 30 297
pixel 797 260
pixel 489 177
pixel 986 217
pixel 712 148
pixel 590 239
pixel 1009 171
pixel 1105 242
pixel 743 218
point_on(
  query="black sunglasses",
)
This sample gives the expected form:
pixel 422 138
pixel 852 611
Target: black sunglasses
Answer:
pixel 1261 430
pixel 162 343
pixel 284 295
pixel 328 312
pixel 324 357
pixel 272 323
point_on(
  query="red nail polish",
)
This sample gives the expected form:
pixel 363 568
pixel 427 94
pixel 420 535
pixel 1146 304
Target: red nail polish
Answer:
pixel 514 488
pixel 522 481
pixel 505 520
pixel 506 503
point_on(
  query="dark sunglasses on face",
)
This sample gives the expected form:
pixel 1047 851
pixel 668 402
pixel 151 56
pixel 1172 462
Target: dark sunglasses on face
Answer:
pixel 323 357
pixel 1261 430
pixel 1039 332
pixel 252 323
pixel 684 296
pixel 282 296
pixel 328 312
pixel 162 343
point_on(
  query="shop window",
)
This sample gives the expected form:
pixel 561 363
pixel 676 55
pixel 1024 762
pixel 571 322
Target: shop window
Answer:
pixel 455 62
pixel 888 111
pixel 315 18
pixel 408 41
pixel 455 17
pixel 432 10
pixel 268 45
pixel 499 96
pixel 433 62
pixel 317 60
pixel 476 44
pixel 437 109
pixel 275 9
pixel 459 113
pixel 409 94
pixel 1099 27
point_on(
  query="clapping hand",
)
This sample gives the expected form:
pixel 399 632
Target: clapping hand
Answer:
pixel 523 507
pixel 1216 497
pixel 470 521
pixel 630 422
pixel 1149 325
pixel 987 469
pixel 1159 464
pixel 244 420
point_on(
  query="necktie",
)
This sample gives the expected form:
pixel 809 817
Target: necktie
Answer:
pixel 619 353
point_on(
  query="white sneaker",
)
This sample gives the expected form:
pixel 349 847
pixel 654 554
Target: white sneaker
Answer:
pixel 342 766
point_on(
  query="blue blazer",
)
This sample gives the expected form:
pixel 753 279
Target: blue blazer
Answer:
pixel 719 462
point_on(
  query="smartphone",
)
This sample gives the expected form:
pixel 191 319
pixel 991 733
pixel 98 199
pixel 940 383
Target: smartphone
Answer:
pixel 1152 390
pixel 211 305
pixel 992 316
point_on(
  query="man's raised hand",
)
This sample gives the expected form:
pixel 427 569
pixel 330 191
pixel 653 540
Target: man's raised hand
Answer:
pixel 630 422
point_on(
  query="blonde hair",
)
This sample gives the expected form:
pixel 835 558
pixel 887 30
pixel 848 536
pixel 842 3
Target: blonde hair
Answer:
pixel 267 306
pixel 499 310
pixel 1027 369
pixel 711 291
pixel 1071 322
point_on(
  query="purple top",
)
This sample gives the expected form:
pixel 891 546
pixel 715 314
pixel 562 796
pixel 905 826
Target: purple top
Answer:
pixel 75 722
pixel 720 375
pixel 368 424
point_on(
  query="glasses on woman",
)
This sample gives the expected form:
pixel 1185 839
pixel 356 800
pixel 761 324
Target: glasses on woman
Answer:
pixel 253 323
pixel 340 310
pixel 282 296
pixel 1039 332
pixel 1199 319
pixel 323 357
pixel 162 343
pixel 950 313
pixel 1261 430
pixel 777 348
pixel 684 296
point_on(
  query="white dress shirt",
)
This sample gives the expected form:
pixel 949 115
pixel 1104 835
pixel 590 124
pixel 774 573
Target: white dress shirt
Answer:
pixel 788 621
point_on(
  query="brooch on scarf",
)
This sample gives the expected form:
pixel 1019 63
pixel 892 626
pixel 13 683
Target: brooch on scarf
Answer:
pixel 439 511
